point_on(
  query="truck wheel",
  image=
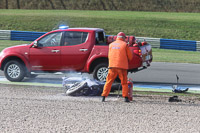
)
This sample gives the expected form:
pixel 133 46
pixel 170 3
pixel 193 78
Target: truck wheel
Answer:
pixel 14 71
pixel 100 72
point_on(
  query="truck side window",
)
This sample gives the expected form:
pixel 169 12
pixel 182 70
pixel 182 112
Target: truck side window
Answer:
pixel 100 38
pixel 50 40
pixel 74 38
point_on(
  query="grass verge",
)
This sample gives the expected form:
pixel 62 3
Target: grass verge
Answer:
pixel 176 56
pixel 31 84
pixel 136 90
pixel 184 26
pixel 8 43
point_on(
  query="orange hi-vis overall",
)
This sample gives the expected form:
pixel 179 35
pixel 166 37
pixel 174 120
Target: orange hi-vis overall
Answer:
pixel 119 54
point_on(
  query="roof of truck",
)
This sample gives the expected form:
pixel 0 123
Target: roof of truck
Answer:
pixel 80 29
pixel 87 28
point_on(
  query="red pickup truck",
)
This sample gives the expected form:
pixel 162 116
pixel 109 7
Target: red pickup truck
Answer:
pixel 69 49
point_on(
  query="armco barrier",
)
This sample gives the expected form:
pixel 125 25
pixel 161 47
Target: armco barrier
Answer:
pixel 178 44
pixel 155 42
pixel 198 45
pixel 25 35
pixel 4 34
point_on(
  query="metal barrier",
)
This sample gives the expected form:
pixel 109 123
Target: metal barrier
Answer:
pixel 198 45
pixel 155 42
pixel 178 44
pixel 4 34
pixel 25 35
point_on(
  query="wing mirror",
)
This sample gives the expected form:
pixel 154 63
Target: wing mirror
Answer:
pixel 35 44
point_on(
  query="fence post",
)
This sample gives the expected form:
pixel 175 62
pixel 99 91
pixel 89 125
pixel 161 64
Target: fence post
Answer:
pixel 155 42
pixel 198 45
pixel 5 34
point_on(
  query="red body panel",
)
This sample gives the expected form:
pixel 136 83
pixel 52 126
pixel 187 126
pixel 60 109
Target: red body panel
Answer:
pixel 44 59
pixel 19 51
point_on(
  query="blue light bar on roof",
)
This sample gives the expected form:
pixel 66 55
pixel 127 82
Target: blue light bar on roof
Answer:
pixel 63 27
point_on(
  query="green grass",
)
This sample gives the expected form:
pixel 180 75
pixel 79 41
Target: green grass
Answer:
pixel 159 55
pixel 183 26
pixel 31 84
pixel 136 90
pixel 8 43
pixel 149 24
pixel 176 56
pixel 161 92
pixel 167 91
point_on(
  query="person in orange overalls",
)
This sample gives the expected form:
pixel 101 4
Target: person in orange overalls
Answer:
pixel 119 55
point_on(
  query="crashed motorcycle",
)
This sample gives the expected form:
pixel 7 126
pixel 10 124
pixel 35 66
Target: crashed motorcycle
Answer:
pixel 80 86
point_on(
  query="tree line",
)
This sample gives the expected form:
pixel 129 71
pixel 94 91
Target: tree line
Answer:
pixel 121 5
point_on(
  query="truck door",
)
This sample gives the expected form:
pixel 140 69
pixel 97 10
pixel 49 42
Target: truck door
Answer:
pixel 75 50
pixel 46 56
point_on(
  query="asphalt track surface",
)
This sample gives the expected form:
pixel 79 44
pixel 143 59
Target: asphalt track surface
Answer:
pixel 161 73
pixel 158 73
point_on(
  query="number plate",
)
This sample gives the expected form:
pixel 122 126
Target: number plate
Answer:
pixel 147 57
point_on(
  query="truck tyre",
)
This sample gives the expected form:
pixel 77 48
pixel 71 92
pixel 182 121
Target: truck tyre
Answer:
pixel 14 71
pixel 31 76
pixel 100 72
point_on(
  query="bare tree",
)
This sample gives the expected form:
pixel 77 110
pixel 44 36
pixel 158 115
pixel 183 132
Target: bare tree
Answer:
pixel 102 3
pixel 113 5
pixel 62 3
pixel 6 4
pixel 18 4
pixel 52 6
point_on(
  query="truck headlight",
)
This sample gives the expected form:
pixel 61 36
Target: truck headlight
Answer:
pixel 1 53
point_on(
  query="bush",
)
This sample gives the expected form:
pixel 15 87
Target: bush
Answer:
pixel 128 5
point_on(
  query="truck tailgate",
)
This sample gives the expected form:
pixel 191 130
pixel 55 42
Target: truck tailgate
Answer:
pixel 146 52
pixel 142 57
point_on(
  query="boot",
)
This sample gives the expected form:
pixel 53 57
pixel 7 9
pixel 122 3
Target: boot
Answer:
pixel 103 99
pixel 126 99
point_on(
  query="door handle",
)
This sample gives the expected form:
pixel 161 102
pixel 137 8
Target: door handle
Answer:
pixel 55 51
pixel 83 50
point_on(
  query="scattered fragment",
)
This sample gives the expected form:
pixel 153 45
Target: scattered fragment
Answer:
pixel 174 99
